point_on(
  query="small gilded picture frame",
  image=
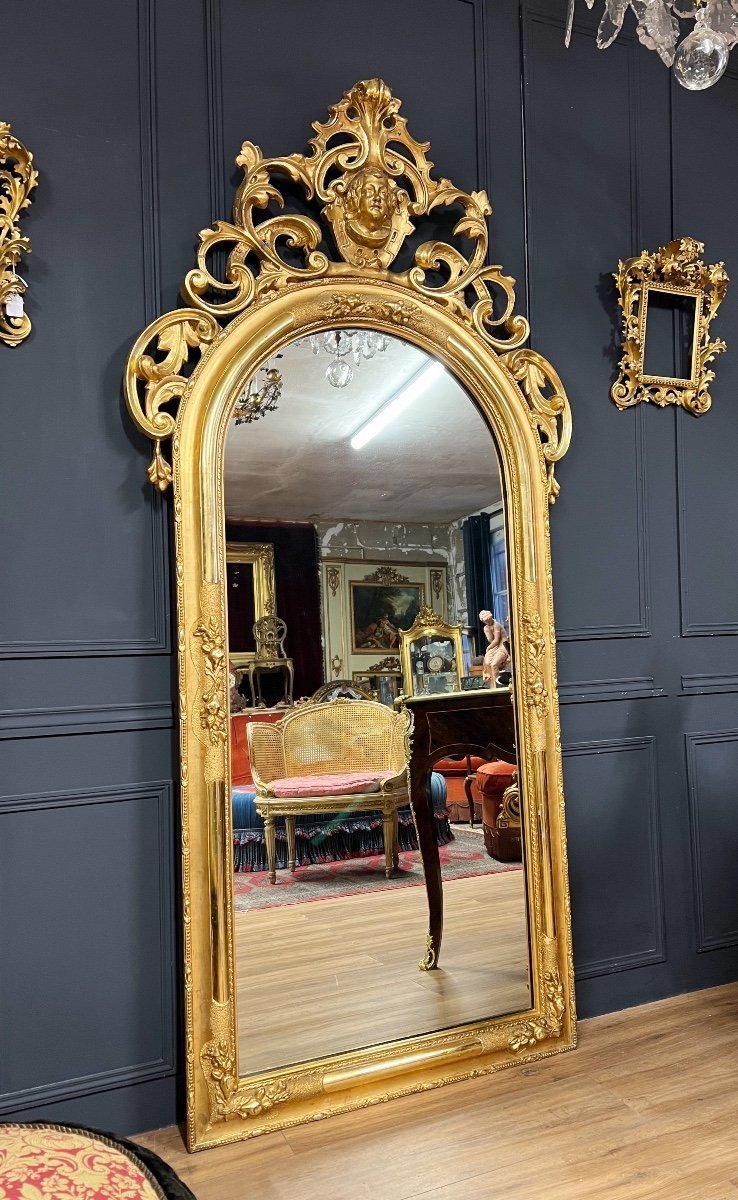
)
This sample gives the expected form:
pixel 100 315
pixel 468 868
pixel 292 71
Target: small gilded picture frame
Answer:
pixel 668 301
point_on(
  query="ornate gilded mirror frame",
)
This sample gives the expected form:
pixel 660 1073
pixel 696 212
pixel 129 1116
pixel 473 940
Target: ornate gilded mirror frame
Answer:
pixel 260 555
pixel 183 376
pixel 429 624
pixel 676 270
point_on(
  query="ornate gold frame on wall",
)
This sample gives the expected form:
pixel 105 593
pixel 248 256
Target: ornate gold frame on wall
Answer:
pixel 18 178
pixel 196 359
pixel 676 269
pixel 261 556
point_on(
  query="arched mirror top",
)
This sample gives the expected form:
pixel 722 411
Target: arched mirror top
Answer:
pixel 364 184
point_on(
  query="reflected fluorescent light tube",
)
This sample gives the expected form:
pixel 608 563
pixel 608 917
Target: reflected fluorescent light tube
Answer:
pixel 392 409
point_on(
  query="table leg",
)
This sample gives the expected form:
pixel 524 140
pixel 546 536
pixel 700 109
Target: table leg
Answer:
pixel 468 785
pixel 388 825
pixel 420 794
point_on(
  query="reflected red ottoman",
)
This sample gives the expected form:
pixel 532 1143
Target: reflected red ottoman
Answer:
pixel 455 771
pixel 493 780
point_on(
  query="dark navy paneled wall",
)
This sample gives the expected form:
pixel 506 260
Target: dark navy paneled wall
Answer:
pixel 135 112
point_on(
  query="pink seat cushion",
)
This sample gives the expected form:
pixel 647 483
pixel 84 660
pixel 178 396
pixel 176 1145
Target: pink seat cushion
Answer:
pixel 348 783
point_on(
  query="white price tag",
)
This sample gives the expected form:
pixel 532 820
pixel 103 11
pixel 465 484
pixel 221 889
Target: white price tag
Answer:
pixel 14 304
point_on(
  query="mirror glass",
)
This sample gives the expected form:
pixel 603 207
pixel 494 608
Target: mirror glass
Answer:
pixel 370 471
pixel 670 328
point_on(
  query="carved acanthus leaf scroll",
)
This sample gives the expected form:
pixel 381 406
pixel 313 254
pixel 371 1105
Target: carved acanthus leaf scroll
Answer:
pixel 548 407
pixel 369 182
pixel 18 178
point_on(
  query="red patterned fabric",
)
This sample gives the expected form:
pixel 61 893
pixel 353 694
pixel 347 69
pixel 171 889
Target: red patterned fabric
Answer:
pixel 42 1163
pixel 347 783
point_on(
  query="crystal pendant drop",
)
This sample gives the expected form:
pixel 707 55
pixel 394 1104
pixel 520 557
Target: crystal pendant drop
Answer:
pixel 339 374
pixel 701 58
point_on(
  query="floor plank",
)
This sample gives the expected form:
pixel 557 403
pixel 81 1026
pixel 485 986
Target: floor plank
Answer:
pixel 351 963
pixel 646 1107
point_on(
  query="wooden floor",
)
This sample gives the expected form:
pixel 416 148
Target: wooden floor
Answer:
pixel 333 975
pixel 645 1109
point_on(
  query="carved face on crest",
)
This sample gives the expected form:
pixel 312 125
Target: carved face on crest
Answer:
pixel 369 206
pixel 368 217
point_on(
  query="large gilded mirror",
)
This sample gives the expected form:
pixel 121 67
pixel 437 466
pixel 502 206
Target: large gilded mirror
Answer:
pixel 373 858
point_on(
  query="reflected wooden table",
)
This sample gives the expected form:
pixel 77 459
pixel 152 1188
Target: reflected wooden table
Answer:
pixel 477 722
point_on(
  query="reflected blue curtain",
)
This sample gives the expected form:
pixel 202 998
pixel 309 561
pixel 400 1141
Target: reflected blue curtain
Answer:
pixel 500 606
pixel 478 572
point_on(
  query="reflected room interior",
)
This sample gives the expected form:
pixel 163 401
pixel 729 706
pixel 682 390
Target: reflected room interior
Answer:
pixel 366 560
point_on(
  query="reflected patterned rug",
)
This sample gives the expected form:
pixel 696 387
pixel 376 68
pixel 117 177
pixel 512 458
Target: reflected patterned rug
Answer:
pixel 41 1161
pixel 461 858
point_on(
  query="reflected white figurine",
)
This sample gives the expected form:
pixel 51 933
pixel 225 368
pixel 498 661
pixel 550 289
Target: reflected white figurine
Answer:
pixel 497 655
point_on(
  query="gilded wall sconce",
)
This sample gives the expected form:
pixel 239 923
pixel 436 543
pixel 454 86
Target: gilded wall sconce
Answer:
pixel 675 285
pixel 18 178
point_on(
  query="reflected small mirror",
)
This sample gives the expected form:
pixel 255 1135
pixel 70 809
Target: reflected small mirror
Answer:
pixel 670 328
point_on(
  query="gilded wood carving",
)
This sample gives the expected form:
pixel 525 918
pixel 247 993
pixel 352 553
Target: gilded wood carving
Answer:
pixel 677 270
pixel 366 184
pixel 18 178
pixel 369 205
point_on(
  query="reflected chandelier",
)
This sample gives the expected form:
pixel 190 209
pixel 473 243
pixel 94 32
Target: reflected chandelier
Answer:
pixel 700 58
pixel 342 344
pixel 253 402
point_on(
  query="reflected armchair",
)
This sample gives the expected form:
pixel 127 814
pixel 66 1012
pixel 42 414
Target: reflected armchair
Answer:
pixel 345 757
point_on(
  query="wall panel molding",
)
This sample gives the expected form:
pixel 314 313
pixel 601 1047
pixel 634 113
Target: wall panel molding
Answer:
pixel 691 628
pixel 587 691
pixel 611 964
pixel 160 640
pixel 160 794
pixel 700 868
pixel 640 625
pixel 707 684
pixel 82 719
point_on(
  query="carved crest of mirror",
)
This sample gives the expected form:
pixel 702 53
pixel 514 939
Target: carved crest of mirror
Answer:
pixel 407 423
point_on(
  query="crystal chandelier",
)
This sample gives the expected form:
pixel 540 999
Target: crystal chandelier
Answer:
pixel 254 401
pixel 346 346
pixel 700 58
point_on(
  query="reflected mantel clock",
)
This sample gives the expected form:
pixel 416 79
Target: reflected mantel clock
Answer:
pixel 366 183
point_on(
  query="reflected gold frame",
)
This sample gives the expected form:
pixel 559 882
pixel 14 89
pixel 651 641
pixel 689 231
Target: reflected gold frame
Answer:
pixel 429 624
pixel 678 270
pixel 261 557
pixel 183 376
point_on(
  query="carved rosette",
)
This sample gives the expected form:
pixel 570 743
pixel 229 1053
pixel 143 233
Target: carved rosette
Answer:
pixel 676 267
pixel 213 716
pixel 18 178
pixel 370 181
